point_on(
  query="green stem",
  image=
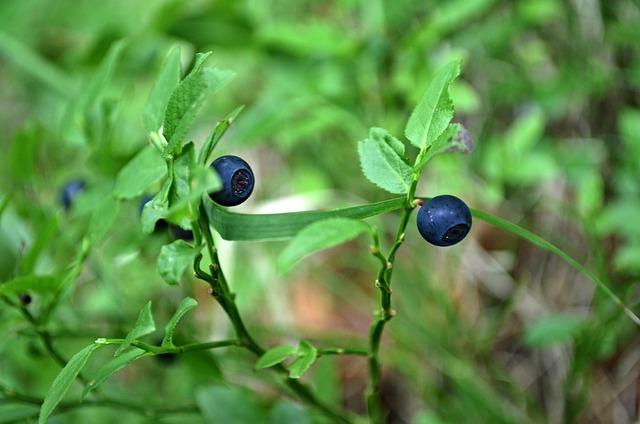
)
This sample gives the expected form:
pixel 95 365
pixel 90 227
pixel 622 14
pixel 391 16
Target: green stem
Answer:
pixel 159 350
pixel 118 404
pixel 44 336
pixel 382 316
pixel 343 351
pixel 222 293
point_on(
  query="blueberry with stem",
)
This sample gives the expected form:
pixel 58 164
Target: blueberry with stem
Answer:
pixel 237 180
pixel 444 220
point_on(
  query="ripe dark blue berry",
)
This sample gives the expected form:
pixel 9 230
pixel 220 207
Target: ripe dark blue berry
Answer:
pixel 237 180
pixel 181 234
pixel 444 220
pixel 70 191
pixel 25 298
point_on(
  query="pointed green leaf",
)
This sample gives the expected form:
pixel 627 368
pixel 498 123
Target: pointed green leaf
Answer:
pixel 64 380
pixel 544 244
pixel 307 355
pixel 442 143
pixel 274 356
pixel 102 218
pixel 156 208
pixel 166 82
pixel 35 65
pixel 112 367
pixel 318 236
pixel 220 129
pixel 237 226
pixel 143 170
pixel 376 133
pixel 186 305
pixel 553 329
pixel 75 118
pixel 203 180
pixel 434 110
pixel 174 259
pixel 31 283
pixel 382 165
pixel 144 325
pixel 188 98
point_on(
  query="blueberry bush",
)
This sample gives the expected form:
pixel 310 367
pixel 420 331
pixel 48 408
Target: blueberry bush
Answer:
pixel 207 212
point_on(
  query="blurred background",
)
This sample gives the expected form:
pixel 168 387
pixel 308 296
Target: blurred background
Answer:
pixel 494 330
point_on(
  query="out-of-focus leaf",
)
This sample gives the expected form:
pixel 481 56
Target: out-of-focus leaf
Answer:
pixel 31 283
pixel 31 63
pixel 220 404
pixel 144 169
pixel 553 330
pixel 166 82
pixel 318 236
pixel 285 412
pixel 174 259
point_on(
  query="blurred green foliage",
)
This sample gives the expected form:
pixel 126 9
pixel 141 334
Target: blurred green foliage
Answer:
pixel 493 332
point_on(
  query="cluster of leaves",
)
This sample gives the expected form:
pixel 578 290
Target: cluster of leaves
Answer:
pixel 549 90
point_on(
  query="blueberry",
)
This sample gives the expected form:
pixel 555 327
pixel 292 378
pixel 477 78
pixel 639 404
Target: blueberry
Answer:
pixel 444 220
pixel 25 298
pixel 70 191
pixel 181 234
pixel 237 180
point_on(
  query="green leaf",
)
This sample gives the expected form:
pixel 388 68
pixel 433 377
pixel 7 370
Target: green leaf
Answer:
pixel 144 169
pixel 287 412
pixel 434 111
pixel 274 356
pixel 102 218
pixel 442 143
pixel 75 118
pixel 191 182
pixel 553 329
pixel 220 129
pixel 382 166
pixel 188 98
pixel 156 208
pixel 544 244
pixel 166 82
pixel 112 367
pixel 64 380
pixel 174 259
pixel 31 283
pixel 186 305
pixel 318 236
pixel 31 63
pixel 17 413
pixel 219 404
pixel 384 136
pixel 144 325
pixel 307 355
pixel 236 226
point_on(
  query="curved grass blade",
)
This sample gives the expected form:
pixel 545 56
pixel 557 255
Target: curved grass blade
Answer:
pixel 278 226
pixel 544 244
